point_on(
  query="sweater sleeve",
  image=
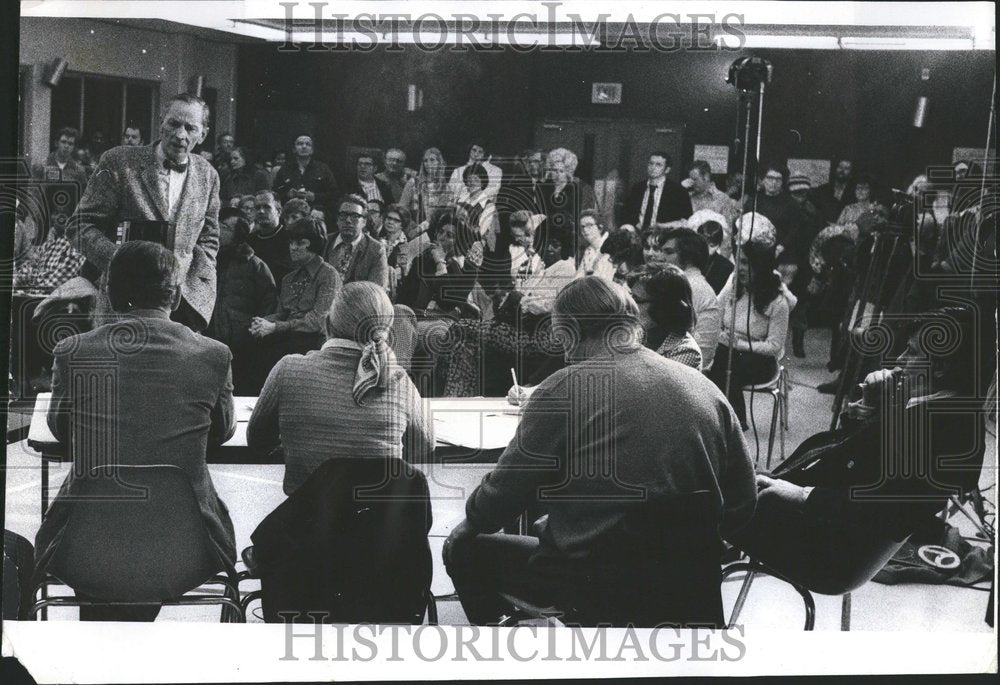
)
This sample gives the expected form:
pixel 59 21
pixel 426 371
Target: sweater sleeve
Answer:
pixel 534 458
pixel 327 284
pixel 777 329
pixel 418 440
pixel 263 430
pixel 736 481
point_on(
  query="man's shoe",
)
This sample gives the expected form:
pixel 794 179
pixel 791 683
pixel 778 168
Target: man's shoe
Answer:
pixel 829 388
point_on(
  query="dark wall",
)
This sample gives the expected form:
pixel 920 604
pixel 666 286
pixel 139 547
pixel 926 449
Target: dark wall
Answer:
pixel 820 104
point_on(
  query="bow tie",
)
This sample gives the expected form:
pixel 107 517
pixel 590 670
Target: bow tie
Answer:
pixel 174 166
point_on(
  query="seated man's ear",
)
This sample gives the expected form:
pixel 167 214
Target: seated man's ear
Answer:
pixel 175 301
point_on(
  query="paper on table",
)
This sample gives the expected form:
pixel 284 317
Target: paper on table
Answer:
pixel 476 430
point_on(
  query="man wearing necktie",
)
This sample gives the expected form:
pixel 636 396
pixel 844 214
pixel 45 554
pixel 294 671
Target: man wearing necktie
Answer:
pixel 161 184
pixel 355 255
pixel 656 202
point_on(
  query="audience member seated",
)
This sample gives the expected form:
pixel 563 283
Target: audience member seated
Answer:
pixel 365 183
pixel 522 189
pixel 781 209
pixel 171 399
pixel 376 217
pixel 41 264
pixel 563 196
pixel 427 195
pixel 538 293
pixel 761 325
pixel 355 255
pixel 476 156
pixel 395 175
pixel 394 239
pixel 593 233
pixel 441 277
pixel 304 297
pixel 245 289
pixel 579 550
pixel 831 198
pixel 247 207
pixel 478 202
pixel 347 399
pixel 864 201
pixel 243 178
pixel 719 268
pixel 705 195
pixel 293 210
pixel 624 251
pixel 268 237
pixel 689 251
pixel 517 337
pixel 663 295
pixel 848 498
pixel 656 202
pixel 278 158
pixel 307 178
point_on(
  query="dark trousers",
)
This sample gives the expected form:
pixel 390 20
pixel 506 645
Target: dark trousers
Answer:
pixel 484 566
pixel 143 613
pixel 749 368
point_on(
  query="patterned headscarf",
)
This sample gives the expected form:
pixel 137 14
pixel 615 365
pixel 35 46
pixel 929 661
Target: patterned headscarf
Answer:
pixel 362 314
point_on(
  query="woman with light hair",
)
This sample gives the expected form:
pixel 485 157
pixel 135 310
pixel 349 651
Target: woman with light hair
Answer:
pixel 564 195
pixel 348 399
pixel 427 194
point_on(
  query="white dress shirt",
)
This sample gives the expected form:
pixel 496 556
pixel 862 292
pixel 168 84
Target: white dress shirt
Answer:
pixel 645 200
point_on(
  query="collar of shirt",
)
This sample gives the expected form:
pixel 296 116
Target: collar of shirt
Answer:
pixel 339 240
pixel 600 243
pixel 658 182
pixel 161 157
pixel 312 266
pixel 343 343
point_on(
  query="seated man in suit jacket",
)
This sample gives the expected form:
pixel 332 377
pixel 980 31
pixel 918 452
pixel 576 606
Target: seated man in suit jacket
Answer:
pixel 164 183
pixel 852 496
pixel 171 397
pixel 355 255
pixel 656 202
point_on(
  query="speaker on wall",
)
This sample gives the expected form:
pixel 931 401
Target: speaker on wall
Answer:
pixel 54 74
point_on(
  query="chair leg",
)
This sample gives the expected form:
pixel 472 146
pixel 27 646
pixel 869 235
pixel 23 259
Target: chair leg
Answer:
pixel 741 598
pixel 432 609
pixel 845 612
pixel 247 600
pixel 775 411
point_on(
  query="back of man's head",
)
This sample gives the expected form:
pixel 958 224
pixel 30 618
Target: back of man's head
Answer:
pixel 595 310
pixel 143 275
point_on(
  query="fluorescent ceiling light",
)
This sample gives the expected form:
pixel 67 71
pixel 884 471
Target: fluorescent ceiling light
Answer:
pixel 779 42
pixel 887 43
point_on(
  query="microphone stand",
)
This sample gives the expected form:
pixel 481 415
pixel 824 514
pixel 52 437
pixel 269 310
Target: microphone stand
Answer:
pixel 736 244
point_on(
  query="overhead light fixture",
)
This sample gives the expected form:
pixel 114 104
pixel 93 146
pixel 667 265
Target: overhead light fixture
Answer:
pixel 889 43
pixel 779 42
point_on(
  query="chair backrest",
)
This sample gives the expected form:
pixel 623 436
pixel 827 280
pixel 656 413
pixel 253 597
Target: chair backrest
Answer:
pixel 351 543
pixel 137 535
pixel 662 565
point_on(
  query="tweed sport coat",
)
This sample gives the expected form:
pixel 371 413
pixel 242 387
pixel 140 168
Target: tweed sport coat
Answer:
pixel 126 187
pixel 368 261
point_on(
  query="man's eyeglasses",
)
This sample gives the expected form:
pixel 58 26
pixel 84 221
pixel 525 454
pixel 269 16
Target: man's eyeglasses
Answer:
pixel 350 216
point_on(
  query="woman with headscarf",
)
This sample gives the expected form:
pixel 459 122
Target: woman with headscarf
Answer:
pixel 348 399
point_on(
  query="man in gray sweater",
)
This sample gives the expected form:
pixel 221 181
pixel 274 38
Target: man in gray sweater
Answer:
pixel 619 427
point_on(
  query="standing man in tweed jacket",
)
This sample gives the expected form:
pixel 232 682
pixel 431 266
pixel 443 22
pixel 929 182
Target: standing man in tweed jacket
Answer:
pixel 162 182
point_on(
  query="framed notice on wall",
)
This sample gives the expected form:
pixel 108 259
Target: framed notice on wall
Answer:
pixel 717 157
pixel 816 170
pixel 606 93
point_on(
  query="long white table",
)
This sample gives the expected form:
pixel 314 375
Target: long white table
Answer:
pixel 468 430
